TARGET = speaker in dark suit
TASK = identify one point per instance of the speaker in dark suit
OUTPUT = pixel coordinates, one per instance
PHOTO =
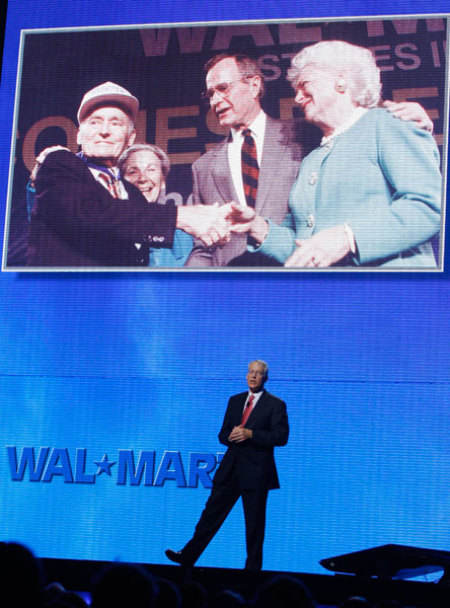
(254, 423)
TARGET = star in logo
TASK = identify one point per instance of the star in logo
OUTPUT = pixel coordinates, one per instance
(104, 466)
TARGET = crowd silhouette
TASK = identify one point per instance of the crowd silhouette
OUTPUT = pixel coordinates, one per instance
(121, 585)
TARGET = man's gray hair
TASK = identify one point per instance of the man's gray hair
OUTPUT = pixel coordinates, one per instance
(160, 154)
(247, 66)
(354, 63)
(261, 363)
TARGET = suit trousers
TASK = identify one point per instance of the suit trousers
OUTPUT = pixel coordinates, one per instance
(220, 502)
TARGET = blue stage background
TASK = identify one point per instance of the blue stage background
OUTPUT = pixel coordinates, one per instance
(130, 365)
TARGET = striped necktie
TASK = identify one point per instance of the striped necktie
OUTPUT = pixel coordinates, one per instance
(110, 184)
(250, 168)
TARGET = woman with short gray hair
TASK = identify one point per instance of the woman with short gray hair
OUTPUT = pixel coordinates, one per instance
(370, 193)
(146, 166)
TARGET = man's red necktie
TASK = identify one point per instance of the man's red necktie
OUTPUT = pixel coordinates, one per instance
(248, 410)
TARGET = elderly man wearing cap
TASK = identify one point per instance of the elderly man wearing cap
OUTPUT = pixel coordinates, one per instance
(85, 215)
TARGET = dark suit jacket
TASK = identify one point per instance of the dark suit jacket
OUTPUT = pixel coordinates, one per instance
(77, 223)
(253, 459)
(212, 182)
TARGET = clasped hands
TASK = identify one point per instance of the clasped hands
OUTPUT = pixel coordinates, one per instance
(321, 250)
(239, 433)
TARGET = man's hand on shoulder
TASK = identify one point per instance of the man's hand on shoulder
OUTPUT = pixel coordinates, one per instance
(412, 112)
(40, 159)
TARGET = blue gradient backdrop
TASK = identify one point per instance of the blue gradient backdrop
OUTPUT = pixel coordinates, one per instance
(109, 362)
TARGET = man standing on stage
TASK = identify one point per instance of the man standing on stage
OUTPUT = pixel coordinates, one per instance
(254, 423)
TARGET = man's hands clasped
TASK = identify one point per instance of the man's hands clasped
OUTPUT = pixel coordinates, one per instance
(240, 433)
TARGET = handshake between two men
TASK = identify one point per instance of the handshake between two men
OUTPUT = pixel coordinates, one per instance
(213, 224)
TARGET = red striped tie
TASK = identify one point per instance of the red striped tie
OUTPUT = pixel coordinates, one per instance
(250, 168)
(111, 184)
(247, 410)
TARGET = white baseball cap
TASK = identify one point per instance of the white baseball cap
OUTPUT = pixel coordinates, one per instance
(106, 94)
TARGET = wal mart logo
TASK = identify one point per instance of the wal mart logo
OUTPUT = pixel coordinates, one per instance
(143, 468)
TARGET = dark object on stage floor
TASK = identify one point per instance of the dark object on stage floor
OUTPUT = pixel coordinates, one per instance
(392, 561)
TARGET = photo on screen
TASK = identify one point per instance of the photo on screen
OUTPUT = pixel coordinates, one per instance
(282, 154)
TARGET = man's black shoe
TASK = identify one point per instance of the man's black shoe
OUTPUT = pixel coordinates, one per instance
(175, 556)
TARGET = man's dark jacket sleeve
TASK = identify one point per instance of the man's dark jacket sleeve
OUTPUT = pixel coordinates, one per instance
(76, 222)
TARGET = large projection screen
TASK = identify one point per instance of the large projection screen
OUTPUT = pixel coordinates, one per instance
(409, 52)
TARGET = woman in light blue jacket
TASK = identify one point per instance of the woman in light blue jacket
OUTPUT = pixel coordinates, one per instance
(370, 194)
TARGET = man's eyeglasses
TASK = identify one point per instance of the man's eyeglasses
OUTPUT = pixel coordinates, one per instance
(223, 89)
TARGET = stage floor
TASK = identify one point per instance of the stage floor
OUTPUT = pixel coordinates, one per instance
(328, 589)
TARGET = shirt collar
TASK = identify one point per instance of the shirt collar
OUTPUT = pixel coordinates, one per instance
(91, 163)
(256, 395)
(257, 127)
